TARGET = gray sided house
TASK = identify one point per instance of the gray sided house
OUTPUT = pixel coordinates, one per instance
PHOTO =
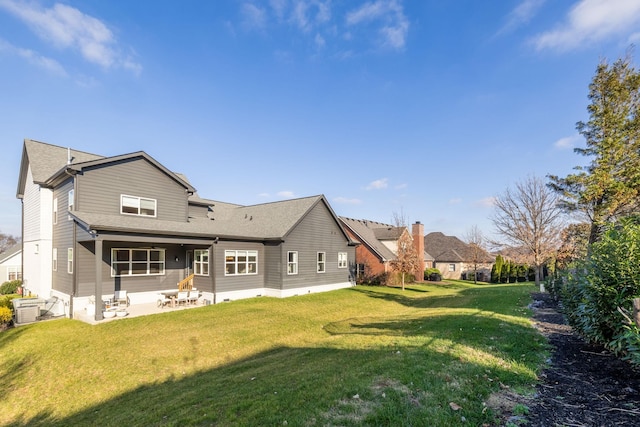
(95, 225)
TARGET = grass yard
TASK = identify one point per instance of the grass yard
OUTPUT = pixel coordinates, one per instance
(358, 356)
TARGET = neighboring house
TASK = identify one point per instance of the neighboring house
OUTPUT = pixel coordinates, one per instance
(94, 225)
(11, 264)
(378, 245)
(455, 258)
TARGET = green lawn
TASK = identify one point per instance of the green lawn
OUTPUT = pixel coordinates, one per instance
(358, 356)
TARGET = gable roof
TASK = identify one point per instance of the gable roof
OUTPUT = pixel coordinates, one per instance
(10, 252)
(450, 249)
(269, 221)
(366, 231)
(45, 160)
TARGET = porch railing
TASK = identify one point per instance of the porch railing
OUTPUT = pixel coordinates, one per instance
(186, 284)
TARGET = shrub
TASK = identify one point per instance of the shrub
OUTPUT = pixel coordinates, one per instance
(5, 316)
(10, 287)
(594, 290)
(432, 274)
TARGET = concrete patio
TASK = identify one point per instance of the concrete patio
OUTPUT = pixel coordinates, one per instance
(135, 310)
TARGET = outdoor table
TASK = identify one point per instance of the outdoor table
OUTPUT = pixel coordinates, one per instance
(172, 295)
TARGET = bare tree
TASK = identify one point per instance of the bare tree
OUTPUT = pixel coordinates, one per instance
(406, 260)
(477, 254)
(529, 217)
(6, 241)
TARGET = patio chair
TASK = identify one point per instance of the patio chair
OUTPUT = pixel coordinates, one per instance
(163, 301)
(182, 297)
(194, 294)
(121, 298)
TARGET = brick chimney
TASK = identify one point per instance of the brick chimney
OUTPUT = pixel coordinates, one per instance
(417, 232)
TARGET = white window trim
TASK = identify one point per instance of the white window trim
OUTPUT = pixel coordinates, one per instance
(70, 202)
(293, 263)
(342, 260)
(199, 264)
(162, 261)
(70, 260)
(235, 255)
(15, 269)
(55, 211)
(54, 259)
(155, 206)
(452, 267)
(321, 264)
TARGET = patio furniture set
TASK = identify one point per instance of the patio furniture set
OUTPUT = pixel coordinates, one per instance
(177, 298)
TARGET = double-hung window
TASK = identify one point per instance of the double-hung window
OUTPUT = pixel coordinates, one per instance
(292, 262)
(322, 257)
(201, 262)
(14, 273)
(452, 267)
(342, 260)
(70, 202)
(137, 262)
(240, 262)
(70, 260)
(132, 205)
(54, 260)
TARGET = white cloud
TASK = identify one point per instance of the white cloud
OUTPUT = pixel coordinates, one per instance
(253, 17)
(286, 194)
(401, 186)
(68, 28)
(521, 15)
(347, 201)
(320, 42)
(591, 21)
(33, 58)
(387, 13)
(378, 184)
(307, 14)
(487, 202)
(455, 201)
(567, 142)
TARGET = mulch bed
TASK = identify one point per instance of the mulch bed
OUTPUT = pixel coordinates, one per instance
(584, 384)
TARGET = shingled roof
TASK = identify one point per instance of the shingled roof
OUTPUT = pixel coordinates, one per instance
(450, 249)
(368, 231)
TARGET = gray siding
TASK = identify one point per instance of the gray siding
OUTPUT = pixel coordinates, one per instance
(63, 239)
(100, 188)
(275, 265)
(240, 282)
(317, 232)
(197, 211)
(174, 271)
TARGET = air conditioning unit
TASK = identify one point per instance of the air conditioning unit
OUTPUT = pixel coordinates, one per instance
(27, 314)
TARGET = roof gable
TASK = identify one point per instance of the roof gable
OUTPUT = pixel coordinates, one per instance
(366, 231)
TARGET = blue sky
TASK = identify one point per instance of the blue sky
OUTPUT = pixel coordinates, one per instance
(427, 109)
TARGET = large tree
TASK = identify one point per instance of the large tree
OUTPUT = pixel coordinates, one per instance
(529, 218)
(407, 260)
(608, 187)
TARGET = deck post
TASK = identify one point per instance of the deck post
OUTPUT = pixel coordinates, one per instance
(98, 287)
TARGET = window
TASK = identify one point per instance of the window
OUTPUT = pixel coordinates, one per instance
(132, 205)
(55, 211)
(292, 262)
(70, 260)
(137, 262)
(54, 260)
(321, 262)
(240, 262)
(201, 262)
(452, 267)
(342, 260)
(14, 273)
(70, 202)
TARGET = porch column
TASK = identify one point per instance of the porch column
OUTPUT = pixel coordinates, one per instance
(98, 287)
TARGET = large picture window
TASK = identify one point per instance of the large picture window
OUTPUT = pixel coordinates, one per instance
(342, 260)
(201, 262)
(322, 257)
(240, 262)
(137, 262)
(292, 262)
(132, 205)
